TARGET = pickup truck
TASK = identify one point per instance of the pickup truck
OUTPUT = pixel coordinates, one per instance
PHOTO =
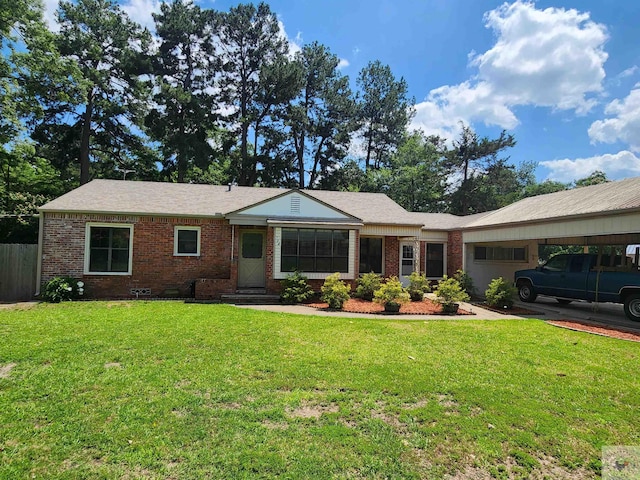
(582, 276)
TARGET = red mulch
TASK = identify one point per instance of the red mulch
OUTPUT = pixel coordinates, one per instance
(606, 331)
(356, 305)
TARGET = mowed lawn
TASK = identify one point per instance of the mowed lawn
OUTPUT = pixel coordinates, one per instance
(172, 390)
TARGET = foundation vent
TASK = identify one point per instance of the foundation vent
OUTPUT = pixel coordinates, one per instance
(295, 204)
(140, 291)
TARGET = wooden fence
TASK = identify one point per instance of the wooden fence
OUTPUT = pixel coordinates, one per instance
(18, 271)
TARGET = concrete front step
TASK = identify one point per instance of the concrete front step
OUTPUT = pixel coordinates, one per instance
(250, 299)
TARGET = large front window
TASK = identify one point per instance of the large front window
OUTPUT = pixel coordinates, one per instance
(108, 249)
(434, 263)
(314, 250)
(370, 255)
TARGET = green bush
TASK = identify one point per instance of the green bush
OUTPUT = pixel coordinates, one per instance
(500, 293)
(367, 284)
(450, 291)
(418, 286)
(391, 292)
(61, 289)
(334, 291)
(465, 281)
(295, 289)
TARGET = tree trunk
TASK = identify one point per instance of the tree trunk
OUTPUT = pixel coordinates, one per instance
(85, 139)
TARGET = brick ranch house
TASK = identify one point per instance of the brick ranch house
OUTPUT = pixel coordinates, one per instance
(125, 239)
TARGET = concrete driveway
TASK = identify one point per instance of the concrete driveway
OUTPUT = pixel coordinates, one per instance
(602, 314)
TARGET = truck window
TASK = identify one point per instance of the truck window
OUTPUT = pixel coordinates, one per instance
(576, 264)
(557, 264)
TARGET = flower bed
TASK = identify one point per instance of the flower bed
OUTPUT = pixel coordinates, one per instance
(356, 305)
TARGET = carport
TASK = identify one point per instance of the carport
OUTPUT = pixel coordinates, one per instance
(505, 240)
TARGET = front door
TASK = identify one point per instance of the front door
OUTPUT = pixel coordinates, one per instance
(251, 263)
(407, 261)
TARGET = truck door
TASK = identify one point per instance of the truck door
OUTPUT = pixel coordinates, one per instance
(565, 276)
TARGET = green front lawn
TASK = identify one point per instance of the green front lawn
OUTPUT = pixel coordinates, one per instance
(168, 390)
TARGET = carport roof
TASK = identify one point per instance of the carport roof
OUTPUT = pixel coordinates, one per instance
(605, 198)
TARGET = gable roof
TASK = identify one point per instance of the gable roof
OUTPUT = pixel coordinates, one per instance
(610, 197)
(194, 200)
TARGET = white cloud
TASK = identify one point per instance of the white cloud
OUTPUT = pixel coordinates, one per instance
(50, 7)
(550, 58)
(617, 166)
(628, 72)
(343, 63)
(141, 11)
(295, 44)
(624, 125)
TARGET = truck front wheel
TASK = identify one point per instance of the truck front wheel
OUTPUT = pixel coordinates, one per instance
(526, 291)
(632, 307)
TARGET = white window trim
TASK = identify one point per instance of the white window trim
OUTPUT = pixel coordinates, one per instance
(175, 241)
(278, 275)
(87, 247)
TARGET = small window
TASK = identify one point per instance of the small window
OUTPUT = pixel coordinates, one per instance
(186, 241)
(434, 263)
(500, 254)
(370, 255)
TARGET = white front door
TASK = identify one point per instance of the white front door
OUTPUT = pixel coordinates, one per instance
(407, 261)
(251, 263)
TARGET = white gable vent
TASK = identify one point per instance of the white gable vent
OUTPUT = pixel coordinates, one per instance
(295, 204)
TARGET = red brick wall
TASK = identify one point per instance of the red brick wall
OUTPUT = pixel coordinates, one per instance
(454, 253)
(154, 265)
(391, 256)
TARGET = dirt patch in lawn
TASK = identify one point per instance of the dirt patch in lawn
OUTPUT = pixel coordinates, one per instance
(357, 305)
(307, 410)
(598, 330)
(5, 370)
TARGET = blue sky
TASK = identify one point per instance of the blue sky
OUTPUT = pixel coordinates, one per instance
(563, 77)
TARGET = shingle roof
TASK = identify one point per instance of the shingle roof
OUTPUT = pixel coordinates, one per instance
(179, 199)
(445, 221)
(585, 201)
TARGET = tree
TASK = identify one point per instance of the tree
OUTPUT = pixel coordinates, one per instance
(249, 40)
(184, 70)
(471, 159)
(321, 117)
(108, 98)
(384, 112)
(597, 177)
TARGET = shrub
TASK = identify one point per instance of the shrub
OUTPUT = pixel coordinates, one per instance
(367, 284)
(334, 291)
(465, 281)
(391, 292)
(418, 286)
(500, 293)
(450, 291)
(295, 289)
(61, 289)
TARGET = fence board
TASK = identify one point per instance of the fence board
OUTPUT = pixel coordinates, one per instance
(18, 270)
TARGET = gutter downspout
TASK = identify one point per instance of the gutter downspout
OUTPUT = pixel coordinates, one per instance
(40, 248)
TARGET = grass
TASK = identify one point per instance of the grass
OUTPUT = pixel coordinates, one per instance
(168, 390)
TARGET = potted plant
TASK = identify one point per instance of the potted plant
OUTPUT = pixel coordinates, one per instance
(392, 295)
(418, 286)
(449, 294)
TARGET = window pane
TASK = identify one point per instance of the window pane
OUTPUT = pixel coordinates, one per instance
(289, 264)
(120, 238)
(407, 251)
(99, 237)
(323, 264)
(289, 241)
(519, 254)
(480, 253)
(370, 255)
(341, 243)
(187, 241)
(435, 260)
(98, 259)
(323, 243)
(306, 264)
(307, 242)
(340, 264)
(119, 261)
(252, 245)
(407, 267)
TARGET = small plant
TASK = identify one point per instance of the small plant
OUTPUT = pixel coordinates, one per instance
(449, 293)
(295, 289)
(418, 286)
(500, 293)
(465, 281)
(367, 284)
(60, 289)
(334, 291)
(391, 294)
